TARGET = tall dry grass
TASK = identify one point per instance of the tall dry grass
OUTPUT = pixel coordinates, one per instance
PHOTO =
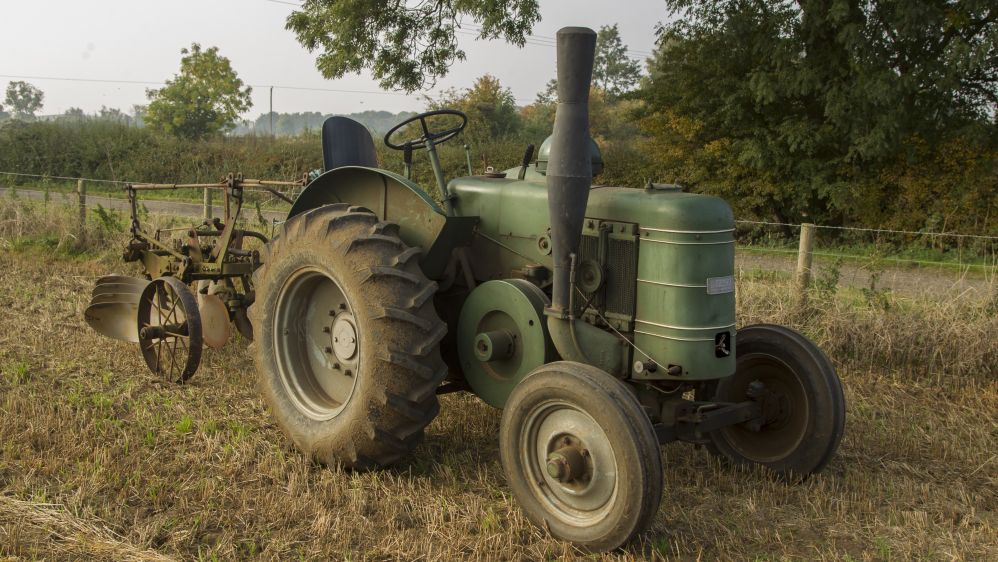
(947, 337)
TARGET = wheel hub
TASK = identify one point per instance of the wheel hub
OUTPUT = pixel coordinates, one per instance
(316, 344)
(344, 337)
(568, 464)
(785, 409)
(572, 460)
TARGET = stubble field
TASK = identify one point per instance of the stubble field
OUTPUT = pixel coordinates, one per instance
(102, 461)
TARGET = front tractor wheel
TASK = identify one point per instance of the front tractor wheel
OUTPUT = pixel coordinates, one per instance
(803, 404)
(580, 455)
(347, 340)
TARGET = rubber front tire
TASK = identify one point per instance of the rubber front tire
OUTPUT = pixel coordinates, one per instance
(576, 402)
(389, 385)
(804, 434)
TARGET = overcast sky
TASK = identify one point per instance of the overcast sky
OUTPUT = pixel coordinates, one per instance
(140, 40)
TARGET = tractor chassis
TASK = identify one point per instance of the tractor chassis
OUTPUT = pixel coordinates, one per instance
(692, 422)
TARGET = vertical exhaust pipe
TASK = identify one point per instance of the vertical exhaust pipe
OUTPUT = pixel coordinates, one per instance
(569, 173)
(569, 177)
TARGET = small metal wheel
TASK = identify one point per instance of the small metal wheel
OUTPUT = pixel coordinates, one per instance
(803, 404)
(169, 328)
(580, 455)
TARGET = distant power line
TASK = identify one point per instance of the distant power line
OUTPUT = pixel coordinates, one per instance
(161, 83)
(258, 86)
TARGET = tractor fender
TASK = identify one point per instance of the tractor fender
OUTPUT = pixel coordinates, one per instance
(422, 222)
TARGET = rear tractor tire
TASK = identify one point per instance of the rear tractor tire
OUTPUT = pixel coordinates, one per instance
(347, 339)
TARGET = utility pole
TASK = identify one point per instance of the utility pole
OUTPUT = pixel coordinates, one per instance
(272, 112)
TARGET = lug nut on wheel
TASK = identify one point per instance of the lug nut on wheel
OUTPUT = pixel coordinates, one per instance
(557, 468)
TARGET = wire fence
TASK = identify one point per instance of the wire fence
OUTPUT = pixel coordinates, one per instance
(262, 197)
(896, 246)
(879, 245)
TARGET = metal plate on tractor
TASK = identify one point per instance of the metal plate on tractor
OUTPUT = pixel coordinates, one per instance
(502, 336)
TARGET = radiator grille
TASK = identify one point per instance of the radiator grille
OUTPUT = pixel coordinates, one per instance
(615, 299)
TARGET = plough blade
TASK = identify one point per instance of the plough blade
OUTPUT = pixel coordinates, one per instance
(113, 309)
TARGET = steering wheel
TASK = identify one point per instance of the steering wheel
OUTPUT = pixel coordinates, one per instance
(434, 137)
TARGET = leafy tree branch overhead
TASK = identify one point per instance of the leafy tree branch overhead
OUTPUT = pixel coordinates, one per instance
(406, 45)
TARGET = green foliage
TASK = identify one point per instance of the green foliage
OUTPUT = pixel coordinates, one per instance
(17, 372)
(491, 110)
(826, 279)
(108, 220)
(206, 98)
(799, 112)
(185, 425)
(406, 45)
(23, 99)
(613, 72)
(293, 124)
(114, 151)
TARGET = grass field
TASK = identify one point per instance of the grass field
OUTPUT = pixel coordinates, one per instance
(102, 461)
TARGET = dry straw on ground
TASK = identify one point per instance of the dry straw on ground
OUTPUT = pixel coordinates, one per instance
(98, 460)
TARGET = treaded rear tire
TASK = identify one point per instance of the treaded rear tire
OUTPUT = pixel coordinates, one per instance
(398, 367)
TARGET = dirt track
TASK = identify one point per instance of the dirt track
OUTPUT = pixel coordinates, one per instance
(905, 280)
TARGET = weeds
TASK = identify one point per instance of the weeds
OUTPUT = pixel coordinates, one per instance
(185, 425)
(16, 372)
(826, 281)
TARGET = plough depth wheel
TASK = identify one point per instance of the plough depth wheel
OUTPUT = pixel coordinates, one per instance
(170, 329)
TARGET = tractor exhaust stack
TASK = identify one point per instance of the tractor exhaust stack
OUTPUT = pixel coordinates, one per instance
(569, 177)
(569, 173)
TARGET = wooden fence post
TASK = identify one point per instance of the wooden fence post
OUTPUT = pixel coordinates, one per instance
(81, 193)
(805, 257)
(207, 204)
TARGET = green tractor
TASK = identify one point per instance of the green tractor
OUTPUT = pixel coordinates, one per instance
(601, 320)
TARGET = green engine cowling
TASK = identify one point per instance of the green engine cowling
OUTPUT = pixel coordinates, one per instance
(661, 260)
(685, 317)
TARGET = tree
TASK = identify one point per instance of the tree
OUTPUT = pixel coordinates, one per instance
(613, 72)
(797, 110)
(206, 98)
(24, 99)
(139, 115)
(74, 114)
(491, 110)
(406, 45)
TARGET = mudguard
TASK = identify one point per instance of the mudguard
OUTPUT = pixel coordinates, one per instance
(422, 222)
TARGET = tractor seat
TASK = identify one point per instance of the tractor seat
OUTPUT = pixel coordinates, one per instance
(346, 142)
